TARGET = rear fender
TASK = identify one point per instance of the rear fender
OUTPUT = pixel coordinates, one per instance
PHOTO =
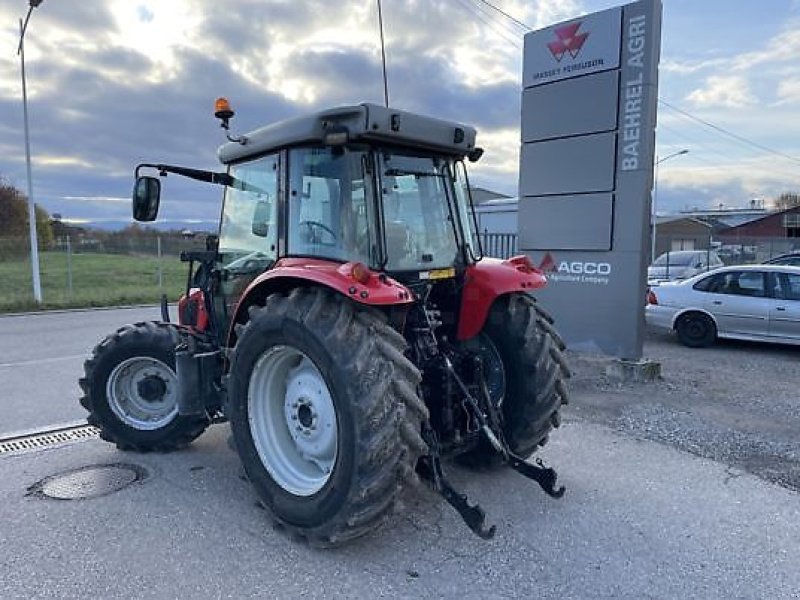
(288, 273)
(487, 280)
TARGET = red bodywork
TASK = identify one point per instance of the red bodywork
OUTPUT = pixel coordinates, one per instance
(192, 311)
(363, 286)
(486, 281)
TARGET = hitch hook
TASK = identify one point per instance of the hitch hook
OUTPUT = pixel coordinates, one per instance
(545, 476)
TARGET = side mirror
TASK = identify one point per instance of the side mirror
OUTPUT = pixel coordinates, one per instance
(146, 196)
(261, 216)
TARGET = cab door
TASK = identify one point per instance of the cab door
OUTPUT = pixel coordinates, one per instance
(249, 230)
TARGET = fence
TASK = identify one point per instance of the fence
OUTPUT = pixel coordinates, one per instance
(94, 271)
(731, 251)
(499, 245)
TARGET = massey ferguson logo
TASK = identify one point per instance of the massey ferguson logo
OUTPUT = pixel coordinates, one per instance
(575, 271)
(569, 40)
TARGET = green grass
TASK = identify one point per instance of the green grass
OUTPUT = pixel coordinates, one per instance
(97, 280)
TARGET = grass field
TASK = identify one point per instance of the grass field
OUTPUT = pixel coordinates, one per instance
(97, 280)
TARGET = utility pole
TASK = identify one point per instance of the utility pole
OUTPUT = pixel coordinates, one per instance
(655, 200)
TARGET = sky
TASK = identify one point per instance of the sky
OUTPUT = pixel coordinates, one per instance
(112, 83)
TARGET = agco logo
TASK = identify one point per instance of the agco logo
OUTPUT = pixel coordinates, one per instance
(573, 268)
(569, 40)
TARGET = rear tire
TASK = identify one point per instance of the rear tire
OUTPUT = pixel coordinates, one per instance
(324, 413)
(131, 390)
(535, 372)
(696, 330)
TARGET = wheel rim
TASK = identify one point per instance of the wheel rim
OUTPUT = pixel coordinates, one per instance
(143, 393)
(695, 329)
(292, 420)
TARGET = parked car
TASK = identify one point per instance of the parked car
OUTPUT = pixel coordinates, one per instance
(748, 302)
(791, 258)
(682, 264)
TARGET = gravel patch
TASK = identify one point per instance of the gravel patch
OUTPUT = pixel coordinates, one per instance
(737, 403)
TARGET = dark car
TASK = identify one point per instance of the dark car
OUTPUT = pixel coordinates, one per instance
(791, 259)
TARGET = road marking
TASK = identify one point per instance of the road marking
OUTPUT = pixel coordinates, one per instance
(40, 361)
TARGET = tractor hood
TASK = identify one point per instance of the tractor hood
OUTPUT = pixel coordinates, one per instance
(364, 123)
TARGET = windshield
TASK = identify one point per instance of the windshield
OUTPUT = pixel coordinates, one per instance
(418, 223)
(675, 259)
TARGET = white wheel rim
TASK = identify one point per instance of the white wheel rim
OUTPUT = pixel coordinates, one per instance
(292, 420)
(143, 393)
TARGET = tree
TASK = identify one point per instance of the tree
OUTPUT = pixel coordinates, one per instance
(14, 216)
(787, 200)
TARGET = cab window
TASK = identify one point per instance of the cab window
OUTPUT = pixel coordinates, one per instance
(248, 231)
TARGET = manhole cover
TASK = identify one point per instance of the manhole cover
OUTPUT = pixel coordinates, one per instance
(88, 482)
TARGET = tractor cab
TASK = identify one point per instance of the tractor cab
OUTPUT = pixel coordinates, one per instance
(382, 187)
(385, 189)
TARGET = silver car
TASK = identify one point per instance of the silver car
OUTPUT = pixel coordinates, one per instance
(681, 264)
(752, 302)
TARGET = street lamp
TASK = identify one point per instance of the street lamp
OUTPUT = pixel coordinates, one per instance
(655, 200)
(37, 285)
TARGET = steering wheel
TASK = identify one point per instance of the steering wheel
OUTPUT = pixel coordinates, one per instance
(316, 224)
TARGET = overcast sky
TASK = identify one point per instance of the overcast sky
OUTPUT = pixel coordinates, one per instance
(115, 82)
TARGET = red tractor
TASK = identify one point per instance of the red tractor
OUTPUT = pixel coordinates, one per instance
(345, 322)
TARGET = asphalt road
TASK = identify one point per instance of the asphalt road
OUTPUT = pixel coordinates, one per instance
(641, 518)
(41, 359)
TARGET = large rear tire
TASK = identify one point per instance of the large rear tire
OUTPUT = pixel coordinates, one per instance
(535, 375)
(324, 413)
(131, 390)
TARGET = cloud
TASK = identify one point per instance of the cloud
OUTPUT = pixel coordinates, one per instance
(789, 90)
(116, 82)
(781, 48)
(730, 91)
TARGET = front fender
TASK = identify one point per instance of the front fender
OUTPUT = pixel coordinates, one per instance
(288, 273)
(486, 281)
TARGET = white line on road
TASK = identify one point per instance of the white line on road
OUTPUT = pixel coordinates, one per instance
(40, 361)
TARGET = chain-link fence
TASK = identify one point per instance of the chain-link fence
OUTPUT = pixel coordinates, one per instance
(730, 251)
(91, 270)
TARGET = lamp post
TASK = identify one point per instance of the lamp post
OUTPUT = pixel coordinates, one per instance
(37, 285)
(655, 200)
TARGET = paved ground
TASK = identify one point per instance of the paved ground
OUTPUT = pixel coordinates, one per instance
(640, 520)
(41, 359)
(647, 514)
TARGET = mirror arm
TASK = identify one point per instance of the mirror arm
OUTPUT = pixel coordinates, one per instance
(197, 174)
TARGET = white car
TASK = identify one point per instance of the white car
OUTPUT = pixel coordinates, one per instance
(752, 302)
(681, 264)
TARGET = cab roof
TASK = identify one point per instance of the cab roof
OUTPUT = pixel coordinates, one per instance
(364, 123)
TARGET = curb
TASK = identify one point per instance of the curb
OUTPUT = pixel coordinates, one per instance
(60, 311)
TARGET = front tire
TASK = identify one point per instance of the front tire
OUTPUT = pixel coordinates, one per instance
(324, 413)
(131, 390)
(535, 374)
